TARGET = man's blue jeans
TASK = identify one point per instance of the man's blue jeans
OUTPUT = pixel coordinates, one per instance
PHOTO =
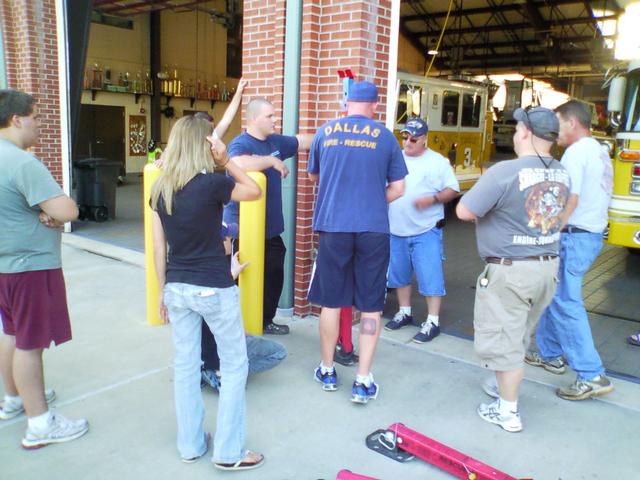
(564, 326)
(263, 354)
(188, 306)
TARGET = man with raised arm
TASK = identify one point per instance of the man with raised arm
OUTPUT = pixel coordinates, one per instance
(259, 148)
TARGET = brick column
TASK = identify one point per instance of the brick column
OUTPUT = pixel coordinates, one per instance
(31, 61)
(263, 50)
(335, 34)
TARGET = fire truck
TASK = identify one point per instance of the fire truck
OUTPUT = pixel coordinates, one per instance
(459, 115)
(624, 108)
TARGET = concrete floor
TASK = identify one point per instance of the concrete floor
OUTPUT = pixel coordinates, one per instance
(117, 373)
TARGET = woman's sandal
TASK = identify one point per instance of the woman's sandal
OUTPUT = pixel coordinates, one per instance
(251, 460)
(634, 339)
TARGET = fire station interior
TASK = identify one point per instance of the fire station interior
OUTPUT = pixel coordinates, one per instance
(508, 54)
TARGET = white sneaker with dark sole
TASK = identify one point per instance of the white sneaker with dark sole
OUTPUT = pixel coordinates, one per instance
(490, 412)
(9, 412)
(59, 430)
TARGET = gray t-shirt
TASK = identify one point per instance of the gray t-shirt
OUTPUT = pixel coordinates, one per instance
(518, 203)
(25, 243)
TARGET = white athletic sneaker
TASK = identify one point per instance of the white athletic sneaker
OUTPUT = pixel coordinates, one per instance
(8, 412)
(60, 429)
(491, 413)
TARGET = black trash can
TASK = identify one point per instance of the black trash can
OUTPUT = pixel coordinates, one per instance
(95, 180)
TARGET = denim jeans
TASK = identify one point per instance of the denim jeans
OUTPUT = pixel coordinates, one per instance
(420, 253)
(564, 326)
(264, 354)
(188, 306)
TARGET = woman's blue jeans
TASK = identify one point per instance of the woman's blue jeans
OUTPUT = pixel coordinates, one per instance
(188, 306)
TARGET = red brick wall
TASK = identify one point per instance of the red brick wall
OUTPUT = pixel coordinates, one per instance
(335, 34)
(263, 50)
(31, 62)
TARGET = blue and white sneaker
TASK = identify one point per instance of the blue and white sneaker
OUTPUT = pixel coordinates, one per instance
(210, 378)
(329, 380)
(360, 393)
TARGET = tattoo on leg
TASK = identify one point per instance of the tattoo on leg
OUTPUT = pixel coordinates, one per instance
(368, 326)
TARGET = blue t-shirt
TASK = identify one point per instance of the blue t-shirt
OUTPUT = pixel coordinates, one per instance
(280, 146)
(355, 157)
(196, 254)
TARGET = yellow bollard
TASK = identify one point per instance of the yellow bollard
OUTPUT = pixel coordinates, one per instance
(151, 174)
(252, 228)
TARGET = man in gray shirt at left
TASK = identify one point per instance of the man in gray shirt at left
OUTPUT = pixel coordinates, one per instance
(33, 302)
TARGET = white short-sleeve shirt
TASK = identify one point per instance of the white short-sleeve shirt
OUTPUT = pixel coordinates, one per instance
(429, 174)
(591, 176)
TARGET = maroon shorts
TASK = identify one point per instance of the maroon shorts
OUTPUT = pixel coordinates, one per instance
(33, 306)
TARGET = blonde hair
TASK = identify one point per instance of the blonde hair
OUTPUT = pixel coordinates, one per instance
(188, 153)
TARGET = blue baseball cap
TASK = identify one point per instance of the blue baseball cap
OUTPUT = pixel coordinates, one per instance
(542, 122)
(415, 127)
(365, 92)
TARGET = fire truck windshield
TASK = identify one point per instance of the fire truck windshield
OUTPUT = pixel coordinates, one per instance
(631, 114)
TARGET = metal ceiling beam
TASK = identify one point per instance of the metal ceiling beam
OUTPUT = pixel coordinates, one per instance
(570, 58)
(503, 8)
(540, 25)
(507, 44)
(120, 9)
(513, 26)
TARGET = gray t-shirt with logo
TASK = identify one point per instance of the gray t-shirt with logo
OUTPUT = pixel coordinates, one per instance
(25, 243)
(518, 203)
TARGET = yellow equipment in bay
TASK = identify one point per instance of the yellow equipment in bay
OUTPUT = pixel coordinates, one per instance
(459, 116)
(624, 209)
(252, 228)
(150, 175)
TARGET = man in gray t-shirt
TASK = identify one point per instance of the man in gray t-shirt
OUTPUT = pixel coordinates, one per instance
(33, 302)
(518, 208)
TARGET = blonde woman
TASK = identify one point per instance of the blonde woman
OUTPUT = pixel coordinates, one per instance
(197, 286)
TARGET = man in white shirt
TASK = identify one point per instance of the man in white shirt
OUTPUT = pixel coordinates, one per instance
(564, 332)
(416, 220)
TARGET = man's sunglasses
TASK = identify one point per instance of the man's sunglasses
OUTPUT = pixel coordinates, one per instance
(410, 139)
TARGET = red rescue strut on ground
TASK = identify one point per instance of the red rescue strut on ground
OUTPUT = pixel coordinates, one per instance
(347, 475)
(399, 438)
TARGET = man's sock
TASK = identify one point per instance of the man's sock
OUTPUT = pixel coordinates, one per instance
(41, 422)
(366, 380)
(434, 319)
(324, 369)
(505, 408)
(405, 310)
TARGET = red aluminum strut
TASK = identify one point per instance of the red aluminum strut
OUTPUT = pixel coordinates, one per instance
(347, 475)
(398, 436)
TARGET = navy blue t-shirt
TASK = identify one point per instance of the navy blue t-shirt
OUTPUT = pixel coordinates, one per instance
(355, 157)
(196, 254)
(280, 146)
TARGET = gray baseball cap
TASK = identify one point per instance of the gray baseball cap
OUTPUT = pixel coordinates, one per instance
(542, 122)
